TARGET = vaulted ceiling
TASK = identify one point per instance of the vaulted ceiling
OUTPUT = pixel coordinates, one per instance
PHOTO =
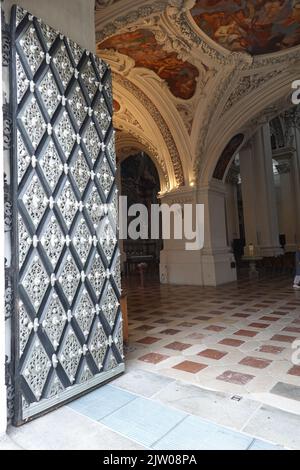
(189, 75)
(142, 46)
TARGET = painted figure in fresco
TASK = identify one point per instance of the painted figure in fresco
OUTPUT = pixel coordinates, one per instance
(297, 272)
(142, 46)
(254, 26)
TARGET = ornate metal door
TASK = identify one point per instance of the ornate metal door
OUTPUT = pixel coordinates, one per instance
(67, 320)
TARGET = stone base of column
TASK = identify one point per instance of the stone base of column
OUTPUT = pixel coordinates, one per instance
(218, 268)
(197, 269)
(270, 251)
(290, 248)
(180, 267)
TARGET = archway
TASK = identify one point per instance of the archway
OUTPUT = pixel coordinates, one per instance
(140, 184)
(261, 181)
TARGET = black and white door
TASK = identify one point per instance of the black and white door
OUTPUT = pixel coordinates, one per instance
(67, 323)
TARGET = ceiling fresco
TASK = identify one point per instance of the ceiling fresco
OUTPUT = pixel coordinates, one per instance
(253, 26)
(141, 45)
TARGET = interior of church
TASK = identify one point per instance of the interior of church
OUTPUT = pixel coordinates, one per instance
(202, 112)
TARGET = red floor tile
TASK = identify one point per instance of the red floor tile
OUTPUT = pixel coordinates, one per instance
(259, 325)
(197, 336)
(241, 315)
(169, 331)
(235, 377)
(145, 328)
(247, 333)
(283, 338)
(270, 349)
(291, 329)
(255, 362)
(186, 324)
(212, 354)
(148, 340)
(231, 342)
(295, 371)
(153, 358)
(191, 367)
(267, 318)
(177, 346)
(202, 317)
(215, 328)
(162, 321)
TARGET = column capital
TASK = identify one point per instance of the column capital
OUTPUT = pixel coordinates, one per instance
(284, 167)
(284, 157)
(285, 153)
(216, 186)
(181, 195)
(233, 175)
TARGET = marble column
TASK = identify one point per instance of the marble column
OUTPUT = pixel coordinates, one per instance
(248, 186)
(178, 265)
(232, 214)
(259, 197)
(212, 265)
(268, 229)
(287, 197)
(295, 173)
(218, 264)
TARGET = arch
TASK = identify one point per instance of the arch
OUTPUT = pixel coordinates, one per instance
(227, 156)
(128, 143)
(245, 116)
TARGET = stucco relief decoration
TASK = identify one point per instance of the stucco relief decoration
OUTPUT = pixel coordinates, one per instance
(64, 158)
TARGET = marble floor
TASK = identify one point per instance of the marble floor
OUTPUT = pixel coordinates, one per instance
(206, 368)
(142, 410)
(237, 338)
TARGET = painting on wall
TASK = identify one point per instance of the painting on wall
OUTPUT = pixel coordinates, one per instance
(141, 45)
(253, 26)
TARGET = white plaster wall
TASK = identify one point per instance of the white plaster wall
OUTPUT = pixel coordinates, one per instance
(74, 18)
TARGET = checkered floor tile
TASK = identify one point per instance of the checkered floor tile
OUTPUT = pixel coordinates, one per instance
(236, 338)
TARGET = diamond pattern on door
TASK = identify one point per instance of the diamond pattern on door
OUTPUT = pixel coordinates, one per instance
(35, 200)
(51, 165)
(67, 204)
(36, 282)
(36, 368)
(68, 321)
(33, 122)
(54, 320)
(50, 93)
(53, 241)
(82, 240)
